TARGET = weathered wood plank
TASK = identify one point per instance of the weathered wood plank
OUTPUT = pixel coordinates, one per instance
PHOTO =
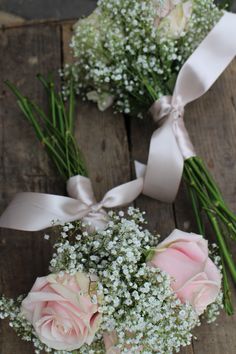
(212, 126)
(24, 165)
(67, 31)
(103, 138)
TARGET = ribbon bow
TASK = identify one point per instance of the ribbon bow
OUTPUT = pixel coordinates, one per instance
(170, 144)
(37, 211)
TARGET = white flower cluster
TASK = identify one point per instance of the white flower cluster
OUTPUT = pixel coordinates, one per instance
(138, 302)
(124, 53)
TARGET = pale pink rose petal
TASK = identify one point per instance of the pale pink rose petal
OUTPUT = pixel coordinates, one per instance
(191, 250)
(179, 236)
(44, 296)
(45, 330)
(173, 262)
(213, 272)
(199, 292)
(195, 278)
(63, 317)
(39, 284)
(207, 296)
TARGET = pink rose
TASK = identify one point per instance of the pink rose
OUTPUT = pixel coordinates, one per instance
(184, 257)
(61, 311)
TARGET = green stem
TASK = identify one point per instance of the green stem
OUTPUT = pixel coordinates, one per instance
(205, 204)
(210, 205)
(219, 202)
(71, 107)
(55, 130)
(61, 119)
(53, 108)
(55, 153)
(28, 113)
(201, 197)
(67, 154)
(223, 246)
(204, 170)
(202, 178)
(227, 293)
(196, 211)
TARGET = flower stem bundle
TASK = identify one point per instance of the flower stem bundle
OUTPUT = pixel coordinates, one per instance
(206, 198)
(55, 130)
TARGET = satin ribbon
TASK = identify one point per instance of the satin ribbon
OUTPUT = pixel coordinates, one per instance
(37, 211)
(170, 144)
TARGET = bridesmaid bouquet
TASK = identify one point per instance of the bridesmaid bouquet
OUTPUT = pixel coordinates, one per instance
(112, 286)
(129, 53)
(142, 56)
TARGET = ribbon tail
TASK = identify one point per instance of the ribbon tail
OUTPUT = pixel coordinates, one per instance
(165, 165)
(36, 211)
(208, 61)
(123, 194)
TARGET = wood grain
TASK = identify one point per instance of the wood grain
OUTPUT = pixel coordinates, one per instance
(110, 144)
(24, 164)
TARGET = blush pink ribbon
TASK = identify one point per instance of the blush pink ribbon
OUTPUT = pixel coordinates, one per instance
(170, 144)
(37, 211)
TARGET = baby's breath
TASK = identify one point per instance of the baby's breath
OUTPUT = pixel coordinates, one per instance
(122, 58)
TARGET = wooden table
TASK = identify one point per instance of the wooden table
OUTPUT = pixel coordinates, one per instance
(110, 143)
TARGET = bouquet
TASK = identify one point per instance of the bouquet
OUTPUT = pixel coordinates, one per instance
(112, 287)
(142, 56)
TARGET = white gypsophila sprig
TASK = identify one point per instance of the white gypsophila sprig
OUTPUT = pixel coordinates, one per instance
(123, 55)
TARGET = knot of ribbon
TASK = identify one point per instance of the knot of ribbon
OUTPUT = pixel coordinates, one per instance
(37, 211)
(170, 144)
(165, 107)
